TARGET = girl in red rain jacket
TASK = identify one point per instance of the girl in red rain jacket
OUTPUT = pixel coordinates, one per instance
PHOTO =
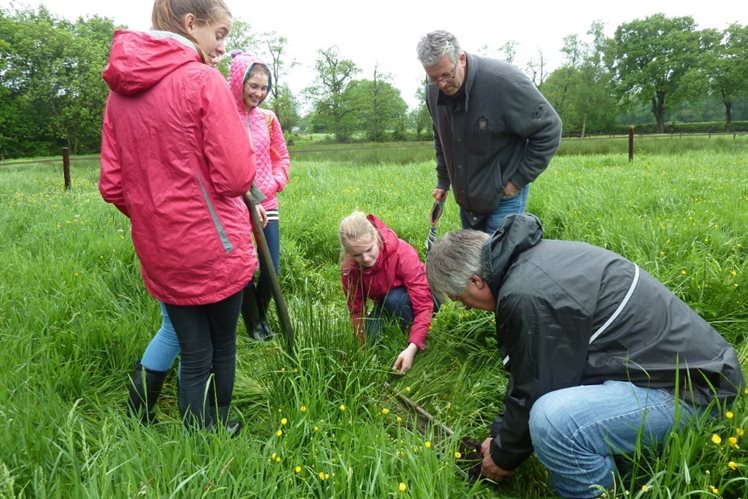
(176, 159)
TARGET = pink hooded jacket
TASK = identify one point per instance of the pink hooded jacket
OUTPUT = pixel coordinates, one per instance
(398, 265)
(268, 142)
(176, 159)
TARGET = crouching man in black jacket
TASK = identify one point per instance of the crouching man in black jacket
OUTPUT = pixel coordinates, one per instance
(601, 355)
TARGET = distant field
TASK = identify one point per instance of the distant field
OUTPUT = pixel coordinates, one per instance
(74, 317)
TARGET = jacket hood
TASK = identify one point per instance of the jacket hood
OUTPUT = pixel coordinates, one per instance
(241, 65)
(138, 60)
(517, 234)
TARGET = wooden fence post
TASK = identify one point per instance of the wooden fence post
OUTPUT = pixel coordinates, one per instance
(66, 166)
(631, 143)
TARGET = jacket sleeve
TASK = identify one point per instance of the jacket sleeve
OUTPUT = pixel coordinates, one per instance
(110, 178)
(442, 176)
(547, 352)
(279, 157)
(413, 275)
(532, 117)
(226, 144)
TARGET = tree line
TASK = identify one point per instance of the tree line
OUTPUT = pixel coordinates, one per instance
(656, 72)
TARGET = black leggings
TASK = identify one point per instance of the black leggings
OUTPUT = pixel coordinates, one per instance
(207, 340)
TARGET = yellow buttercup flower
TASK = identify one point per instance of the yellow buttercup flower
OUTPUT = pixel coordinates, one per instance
(297, 469)
(342, 407)
(733, 442)
(645, 487)
(385, 411)
(739, 432)
(302, 408)
(713, 489)
(732, 465)
(427, 444)
(458, 454)
(716, 439)
(284, 421)
(279, 433)
(403, 487)
(729, 415)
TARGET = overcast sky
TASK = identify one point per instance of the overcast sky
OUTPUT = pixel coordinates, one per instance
(385, 32)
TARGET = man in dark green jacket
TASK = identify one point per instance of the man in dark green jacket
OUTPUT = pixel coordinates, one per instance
(494, 132)
(602, 356)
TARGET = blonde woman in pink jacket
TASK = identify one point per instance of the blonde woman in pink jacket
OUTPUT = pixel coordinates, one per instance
(250, 83)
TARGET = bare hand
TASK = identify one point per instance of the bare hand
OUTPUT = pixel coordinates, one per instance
(439, 194)
(488, 467)
(510, 190)
(262, 215)
(404, 361)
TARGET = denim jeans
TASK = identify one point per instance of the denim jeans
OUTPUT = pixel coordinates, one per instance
(576, 431)
(207, 340)
(163, 348)
(507, 206)
(396, 305)
(263, 283)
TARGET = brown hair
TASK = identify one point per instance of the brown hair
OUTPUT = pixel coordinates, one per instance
(168, 15)
(353, 228)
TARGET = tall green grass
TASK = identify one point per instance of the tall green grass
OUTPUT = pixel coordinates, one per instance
(326, 422)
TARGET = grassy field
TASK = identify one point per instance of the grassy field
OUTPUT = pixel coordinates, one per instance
(327, 422)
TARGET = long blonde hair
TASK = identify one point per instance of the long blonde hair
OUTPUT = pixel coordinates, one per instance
(354, 228)
(168, 15)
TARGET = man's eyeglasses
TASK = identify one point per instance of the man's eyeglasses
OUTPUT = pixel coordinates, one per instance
(443, 77)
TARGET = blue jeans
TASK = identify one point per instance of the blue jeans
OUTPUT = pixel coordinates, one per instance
(207, 340)
(396, 305)
(163, 348)
(507, 206)
(576, 431)
(264, 286)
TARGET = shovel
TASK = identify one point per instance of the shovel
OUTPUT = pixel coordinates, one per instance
(436, 213)
(267, 263)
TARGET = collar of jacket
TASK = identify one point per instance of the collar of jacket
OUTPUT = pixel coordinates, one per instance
(176, 36)
(463, 94)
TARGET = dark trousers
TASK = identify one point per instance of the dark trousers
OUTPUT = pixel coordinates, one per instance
(396, 305)
(207, 339)
(259, 291)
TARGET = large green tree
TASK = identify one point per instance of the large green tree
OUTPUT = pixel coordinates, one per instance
(649, 57)
(580, 89)
(725, 67)
(332, 109)
(378, 107)
(53, 94)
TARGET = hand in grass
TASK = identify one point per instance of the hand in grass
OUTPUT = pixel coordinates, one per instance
(404, 361)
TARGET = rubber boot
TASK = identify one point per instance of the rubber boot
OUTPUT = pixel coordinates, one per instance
(145, 389)
(263, 332)
(250, 313)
